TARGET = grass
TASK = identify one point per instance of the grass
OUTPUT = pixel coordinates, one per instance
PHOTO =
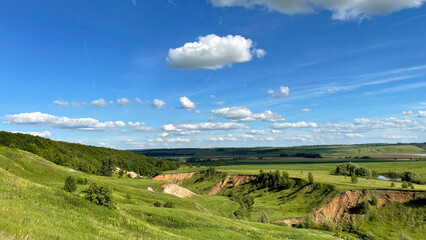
(33, 206)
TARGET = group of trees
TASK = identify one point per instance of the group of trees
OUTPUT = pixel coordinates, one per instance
(89, 159)
(350, 169)
(277, 179)
(100, 195)
(305, 155)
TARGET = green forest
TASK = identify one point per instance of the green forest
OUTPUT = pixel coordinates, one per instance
(89, 159)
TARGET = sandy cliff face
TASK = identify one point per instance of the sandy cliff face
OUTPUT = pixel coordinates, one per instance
(177, 190)
(231, 181)
(339, 208)
(176, 177)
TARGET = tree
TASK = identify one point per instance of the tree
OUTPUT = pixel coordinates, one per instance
(374, 201)
(169, 205)
(70, 184)
(263, 218)
(410, 176)
(392, 184)
(364, 207)
(310, 178)
(99, 195)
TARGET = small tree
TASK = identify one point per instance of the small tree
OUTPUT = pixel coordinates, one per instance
(169, 205)
(263, 218)
(158, 204)
(310, 178)
(354, 178)
(374, 201)
(365, 206)
(99, 195)
(70, 184)
(404, 185)
(410, 176)
(368, 236)
(392, 184)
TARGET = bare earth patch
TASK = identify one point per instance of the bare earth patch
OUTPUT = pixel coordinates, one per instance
(177, 190)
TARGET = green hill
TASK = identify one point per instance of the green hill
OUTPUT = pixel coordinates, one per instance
(89, 159)
(34, 206)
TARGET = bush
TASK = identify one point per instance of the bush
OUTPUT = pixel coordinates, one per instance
(354, 178)
(99, 195)
(392, 184)
(169, 205)
(82, 181)
(363, 172)
(404, 185)
(364, 207)
(158, 204)
(410, 176)
(374, 201)
(404, 237)
(70, 184)
(232, 216)
(310, 178)
(368, 236)
(328, 226)
(263, 218)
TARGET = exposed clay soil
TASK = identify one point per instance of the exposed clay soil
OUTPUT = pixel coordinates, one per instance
(132, 174)
(176, 177)
(339, 208)
(177, 190)
(231, 181)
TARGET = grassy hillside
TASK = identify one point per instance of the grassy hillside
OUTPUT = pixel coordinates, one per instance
(90, 159)
(33, 206)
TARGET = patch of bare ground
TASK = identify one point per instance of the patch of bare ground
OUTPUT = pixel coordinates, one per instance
(176, 177)
(177, 190)
(231, 181)
(340, 208)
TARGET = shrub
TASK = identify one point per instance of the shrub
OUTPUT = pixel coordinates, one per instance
(263, 218)
(404, 237)
(404, 185)
(374, 201)
(310, 178)
(169, 205)
(99, 195)
(392, 184)
(158, 204)
(364, 207)
(70, 184)
(410, 176)
(363, 172)
(82, 181)
(328, 226)
(354, 178)
(232, 216)
(368, 236)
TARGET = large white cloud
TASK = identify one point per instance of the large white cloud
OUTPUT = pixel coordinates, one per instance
(157, 104)
(280, 93)
(341, 9)
(202, 126)
(140, 126)
(186, 103)
(243, 114)
(43, 119)
(99, 102)
(213, 52)
(294, 125)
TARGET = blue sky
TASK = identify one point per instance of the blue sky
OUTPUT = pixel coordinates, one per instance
(163, 73)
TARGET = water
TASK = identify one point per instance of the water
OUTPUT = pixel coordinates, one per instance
(381, 177)
(419, 154)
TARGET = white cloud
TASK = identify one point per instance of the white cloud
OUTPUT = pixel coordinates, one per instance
(281, 93)
(61, 104)
(186, 103)
(157, 104)
(408, 113)
(340, 9)
(43, 119)
(211, 96)
(178, 140)
(421, 113)
(202, 126)
(123, 101)
(400, 136)
(243, 114)
(39, 134)
(216, 139)
(77, 105)
(141, 101)
(220, 103)
(354, 135)
(260, 53)
(140, 126)
(99, 103)
(213, 52)
(294, 125)
(306, 110)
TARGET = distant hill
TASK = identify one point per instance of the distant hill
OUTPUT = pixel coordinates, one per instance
(374, 148)
(89, 159)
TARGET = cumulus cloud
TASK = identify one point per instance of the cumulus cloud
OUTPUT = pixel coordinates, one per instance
(99, 103)
(186, 103)
(421, 114)
(213, 52)
(280, 93)
(60, 103)
(140, 126)
(306, 110)
(341, 10)
(157, 104)
(206, 126)
(178, 140)
(211, 96)
(243, 114)
(354, 135)
(408, 113)
(43, 119)
(294, 125)
(39, 134)
(123, 101)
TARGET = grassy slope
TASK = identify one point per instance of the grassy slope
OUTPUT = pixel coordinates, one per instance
(33, 206)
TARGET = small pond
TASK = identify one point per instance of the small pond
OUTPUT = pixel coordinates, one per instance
(381, 177)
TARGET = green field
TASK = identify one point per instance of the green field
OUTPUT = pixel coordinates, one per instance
(33, 206)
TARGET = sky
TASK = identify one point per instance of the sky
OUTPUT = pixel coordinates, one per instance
(214, 73)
